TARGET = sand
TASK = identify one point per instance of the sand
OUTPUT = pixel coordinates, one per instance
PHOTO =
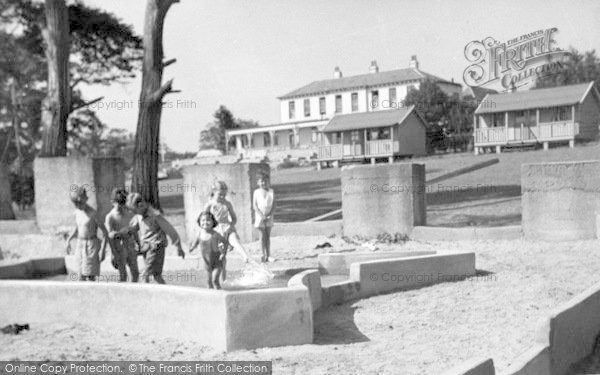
(428, 330)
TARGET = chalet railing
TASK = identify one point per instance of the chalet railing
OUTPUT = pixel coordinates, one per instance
(561, 130)
(330, 151)
(383, 147)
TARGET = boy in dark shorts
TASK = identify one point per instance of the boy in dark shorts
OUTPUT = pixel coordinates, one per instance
(153, 230)
(213, 247)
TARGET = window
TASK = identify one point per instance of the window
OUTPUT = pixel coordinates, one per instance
(561, 114)
(355, 136)
(354, 101)
(275, 139)
(292, 110)
(266, 139)
(338, 104)
(374, 98)
(306, 107)
(392, 95)
(497, 119)
(322, 106)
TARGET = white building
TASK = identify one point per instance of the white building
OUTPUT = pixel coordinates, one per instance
(305, 111)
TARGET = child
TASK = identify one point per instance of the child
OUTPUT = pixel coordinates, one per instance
(213, 247)
(153, 230)
(89, 251)
(263, 202)
(121, 237)
(224, 215)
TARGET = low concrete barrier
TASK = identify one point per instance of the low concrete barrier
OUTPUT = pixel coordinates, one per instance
(312, 280)
(535, 361)
(574, 327)
(340, 292)
(19, 227)
(339, 263)
(476, 366)
(33, 268)
(268, 317)
(380, 276)
(316, 228)
(219, 319)
(511, 232)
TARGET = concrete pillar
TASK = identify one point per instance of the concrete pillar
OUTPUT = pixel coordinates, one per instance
(391, 159)
(383, 198)
(241, 181)
(238, 144)
(571, 143)
(560, 200)
(372, 160)
(56, 177)
(476, 150)
(545, 145)
(272, 140)
(6, 211)
(498, 149)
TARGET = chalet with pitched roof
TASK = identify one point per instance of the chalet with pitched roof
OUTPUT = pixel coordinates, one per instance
(309, 109)
(544, 116)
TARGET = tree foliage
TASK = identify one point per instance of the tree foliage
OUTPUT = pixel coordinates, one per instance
(214, 136)
(577, 68)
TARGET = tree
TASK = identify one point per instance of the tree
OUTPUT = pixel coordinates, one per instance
(145, 156)
(577, 68)
(430, 101)
(214, 136)
(57, 105)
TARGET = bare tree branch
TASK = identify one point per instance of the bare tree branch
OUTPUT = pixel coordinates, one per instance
(168, 62)
(74, 108)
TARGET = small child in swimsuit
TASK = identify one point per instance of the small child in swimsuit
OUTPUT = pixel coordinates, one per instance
(121, 237)
(224, 215)
(263, 202)
(89, 251)
(213, 247)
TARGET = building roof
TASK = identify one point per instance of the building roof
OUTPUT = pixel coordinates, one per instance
(478, 92)
(365, 120)
(362, 81)
(542, 98)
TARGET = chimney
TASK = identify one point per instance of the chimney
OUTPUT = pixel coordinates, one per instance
(413, 62)
(373, 68)
(337, 73)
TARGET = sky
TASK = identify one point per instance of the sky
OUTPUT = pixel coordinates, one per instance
(244, 54)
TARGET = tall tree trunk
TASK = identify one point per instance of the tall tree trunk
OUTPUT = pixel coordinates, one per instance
(146, 152)
(57, 104)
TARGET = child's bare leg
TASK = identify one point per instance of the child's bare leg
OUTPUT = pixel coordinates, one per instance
(217, 274)
(210, 280)
(267, 235)
(263, 245)
(133, 268)
(234, 240)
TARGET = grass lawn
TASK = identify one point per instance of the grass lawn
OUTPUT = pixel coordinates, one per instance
(487, 197)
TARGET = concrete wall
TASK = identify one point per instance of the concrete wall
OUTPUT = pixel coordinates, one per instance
(55, 178)
(241, 181)
(574, 327)
(380, 276)
(18, 227)
(383, 198)
(476, 366)
(340, 292)
(535, 361)
(560, 200)
(6, 212)
(268, 317)
(339, 263)
(222, 320)
(28, 269)
(311, 279)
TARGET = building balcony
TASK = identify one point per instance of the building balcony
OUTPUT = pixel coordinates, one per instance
(544, 132)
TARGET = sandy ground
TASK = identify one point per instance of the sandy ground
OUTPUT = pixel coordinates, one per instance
(496, 314)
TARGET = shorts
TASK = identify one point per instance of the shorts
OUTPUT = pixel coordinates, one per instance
(263, 223)
(88, 256)
(154, 258)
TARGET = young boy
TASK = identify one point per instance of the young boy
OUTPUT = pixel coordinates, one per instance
(121, 237)
(89, 250)
(153, 230)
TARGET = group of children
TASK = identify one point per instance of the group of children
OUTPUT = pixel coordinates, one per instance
(132, 227)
